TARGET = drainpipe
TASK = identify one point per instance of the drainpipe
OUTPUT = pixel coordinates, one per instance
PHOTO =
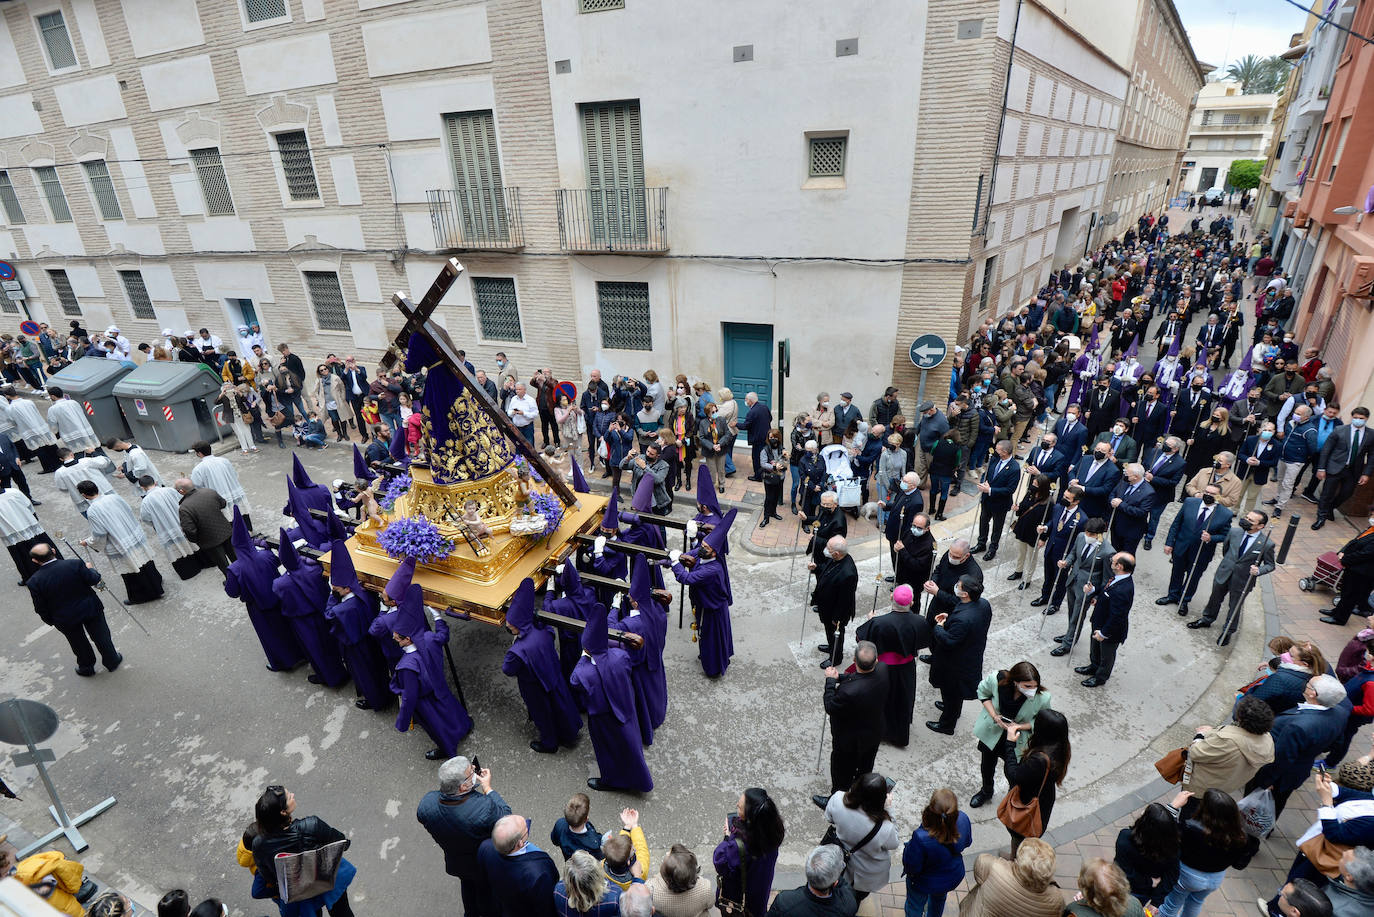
(1001, 119)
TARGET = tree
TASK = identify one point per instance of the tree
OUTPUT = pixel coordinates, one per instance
(1259, 74)
(1244, 174)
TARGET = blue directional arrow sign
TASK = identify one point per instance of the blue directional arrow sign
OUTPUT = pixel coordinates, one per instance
(928, 351)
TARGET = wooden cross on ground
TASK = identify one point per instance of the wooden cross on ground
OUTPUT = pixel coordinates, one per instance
(418, 321)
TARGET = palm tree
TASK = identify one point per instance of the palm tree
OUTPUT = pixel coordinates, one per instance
(1249, 70)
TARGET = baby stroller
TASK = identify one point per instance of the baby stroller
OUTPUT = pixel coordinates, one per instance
(1327, 574)
(840, 475)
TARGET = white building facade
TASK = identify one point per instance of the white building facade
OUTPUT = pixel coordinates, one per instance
(1227, 125)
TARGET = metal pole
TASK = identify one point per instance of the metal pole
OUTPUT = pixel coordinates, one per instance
(834, 652)
(1068, 553)
(681, 586)
(1045, 521)
(102, 586)
(1288, 537)
(921, 388)
(1234, 611)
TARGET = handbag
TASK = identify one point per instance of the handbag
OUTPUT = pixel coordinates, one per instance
(832, 837)
(729, 907)
(1324, 855)
(309, 873)
(581, 424)
(1022, 817)
(848, 492)
(1171, 766)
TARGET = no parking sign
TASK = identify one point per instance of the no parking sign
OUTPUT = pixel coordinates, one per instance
(567, 388)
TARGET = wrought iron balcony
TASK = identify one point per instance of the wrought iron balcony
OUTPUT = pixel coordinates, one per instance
(613, 219)
(485, 218)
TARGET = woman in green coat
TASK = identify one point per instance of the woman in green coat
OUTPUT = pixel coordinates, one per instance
(1012, 695)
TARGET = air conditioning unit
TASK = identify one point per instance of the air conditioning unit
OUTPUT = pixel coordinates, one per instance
(1361, 280)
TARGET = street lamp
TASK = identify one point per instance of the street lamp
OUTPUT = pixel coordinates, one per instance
(1347, 210)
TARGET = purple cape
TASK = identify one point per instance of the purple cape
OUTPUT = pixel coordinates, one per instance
(602, 684)
(299, 502)
(708, 588)
(649, 677)
(349, 618)
(426, 700)
(303, 594)
(250, 578)
(533, 662)
(650, 536)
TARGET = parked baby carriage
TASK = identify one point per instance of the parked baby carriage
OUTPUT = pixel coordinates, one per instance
(841, 475)
(1326, 575)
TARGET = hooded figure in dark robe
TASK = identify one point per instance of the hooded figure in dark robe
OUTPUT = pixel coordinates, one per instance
(303, 593)
(250, 579)
(899, 635)
(574, 600)
(579, 480)
(350, 611)
(303, 495)
(708, 508)
(644, 533)
(360, 470)
(708, 589)
(642, 612)
(420, 680)
(532, 661)
(602, 683)
(601, 558)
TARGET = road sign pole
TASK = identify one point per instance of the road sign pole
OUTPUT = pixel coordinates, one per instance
(921, 389)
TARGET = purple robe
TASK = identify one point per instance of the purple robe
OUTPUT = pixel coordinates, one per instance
(647, 674)
(250, 578)
(1085, 370)
(349, 619)
(611, 564)
(299, 502)
(533, 662)
(602, 683)
(650, 536)
(708, 587)
(426, 700)
(1169, 377)
(303, 593)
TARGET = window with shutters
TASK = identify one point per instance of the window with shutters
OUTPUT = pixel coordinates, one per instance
(140, 303)
(52, 191)
(989, 269)
(297, 168)
(498, 312)
(326, 298)
(596, 6)
(58, 44)
(615, 171)
(826, 157)
(62, 287)
(102, 189)
(214, 185)
(624, 312)
(259, 12)
(14, 214)
(477, 177)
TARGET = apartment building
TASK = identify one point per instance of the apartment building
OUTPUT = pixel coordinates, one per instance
(1227, 125)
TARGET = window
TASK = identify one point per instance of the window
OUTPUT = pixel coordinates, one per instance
(477, 176)
(297, 167)
(137, 293)
(63, 288)
(214, 185)
(1340, 147)
(498, 312)
(989, 268)
(326, 296)
(827, 157)
(624, 309)
(1230, 119)
(102, 188)
(10, 201)
(264, 10)
(614, 146)
(53, 28)
(596, 6)
(52, 190)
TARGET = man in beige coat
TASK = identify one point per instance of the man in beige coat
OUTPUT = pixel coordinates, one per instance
(1226, 758)
(1231, 486)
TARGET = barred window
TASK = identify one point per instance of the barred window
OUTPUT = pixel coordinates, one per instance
(498, 313)
(827, 156)
(63, 288)
(58, 43)
(102, 187)
(296, 166)
(326, 297)
(214, 185)
(596, 6)
(10, 201)
(137, 292)
(624, 309)
(52, 190)
(264, 10)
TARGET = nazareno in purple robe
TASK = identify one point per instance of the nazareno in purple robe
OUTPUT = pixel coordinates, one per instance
(349, 618)
(611, 563)
(250, 578)
(708, 588)
(576, 600)
(303, 592)
(420, 680)
(533, 662)
(601, 681)
(642, 614)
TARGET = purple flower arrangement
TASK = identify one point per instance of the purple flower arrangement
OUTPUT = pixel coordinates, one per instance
(393, 491)
(417, 537)
(522, 462)
(550, 507)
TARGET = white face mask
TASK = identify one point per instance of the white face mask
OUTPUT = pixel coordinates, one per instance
(826, 552)
(918, 531)
(825, 405)
(1119, 430)
(1028, 692)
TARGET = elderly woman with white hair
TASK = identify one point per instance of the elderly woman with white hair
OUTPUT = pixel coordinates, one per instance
(583, 891)
(825, 891)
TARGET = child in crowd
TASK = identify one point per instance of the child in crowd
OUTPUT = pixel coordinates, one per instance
(574, 831)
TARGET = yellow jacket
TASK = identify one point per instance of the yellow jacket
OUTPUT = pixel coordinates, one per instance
(245, 858)
(65, 875)
(640, 868)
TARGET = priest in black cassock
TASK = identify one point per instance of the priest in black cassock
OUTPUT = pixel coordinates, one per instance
(837, 578)
(899, 635)
(916, 555)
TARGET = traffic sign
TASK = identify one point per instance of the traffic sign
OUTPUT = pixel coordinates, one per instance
(11, 285)
(28, 326)
(567, 388)
(7, 271)
(141, 406)
(928, 351)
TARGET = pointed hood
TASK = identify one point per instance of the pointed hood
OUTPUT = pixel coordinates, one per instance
(569, 581)
(717, 537)
(360, 469)
(286, 551)
(644, 495)
(594, 640)
(298, 475)
(641, 585)
(706, 489)
(611, 518)
(400, 580)
(241, 539)
(409, 617)
(341, 572)
(579, 480)
(334, 528)
(520, 614)
(398, 446)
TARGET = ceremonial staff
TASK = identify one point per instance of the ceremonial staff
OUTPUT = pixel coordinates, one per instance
(1067, 561)
(834, 663)
(102, 586)
(1188, 580)
(1044, 524)
(1082, 617)
(1234, 611)
(978, 510)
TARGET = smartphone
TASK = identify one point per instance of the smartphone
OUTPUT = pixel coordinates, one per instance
(1006, 720)
(891, 784)
(1321, 768)
(476, 765)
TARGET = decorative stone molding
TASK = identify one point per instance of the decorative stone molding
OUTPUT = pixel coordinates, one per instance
(37, 153)
(196, 131)
(314, 255)
(88, 146)
(283, 115)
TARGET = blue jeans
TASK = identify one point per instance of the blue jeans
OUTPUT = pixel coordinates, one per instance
(924, 904)
(796, 481)
(730, 462)
(527, 431)
(314, 439)
(393, 421)
(939, 487)
(1192, 889)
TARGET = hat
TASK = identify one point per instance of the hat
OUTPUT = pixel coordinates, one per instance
(241, 538)
(360, 469)
(641, 586)
(706, 489)
(520, 613)
(1355, 775)
(847, 395)
(924, 406)
(891, 390)
(298, 474)
(341, 572)
(716, 538)
(579, 480)
(167, 333)
(113, 329)
(902, 595)
(408, 619)
(400, 580)
(611, 518)
(286, 551)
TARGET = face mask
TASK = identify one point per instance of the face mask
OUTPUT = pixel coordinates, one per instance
(605, 405)
(1149, 397)
(1357, 423)
(918, 531)
(825, 405)
(1101, 456)
(1197, 386)
(1006, 401)
(906, 488)
(1267, 434)
(1209, 499)
(1119, 430)
(826, 552)
(1244, 525)
(1028, 692)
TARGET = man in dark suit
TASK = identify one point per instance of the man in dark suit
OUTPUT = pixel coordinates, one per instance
(1097, 474)
(1248, 555)
(1198, 527)
(1131, 502)
(63, 597)
(830, 521)
(1111, 619)
(756, 423)
(1191, 408)
(520, 875)
(460, 815)
(1150, 419)
(1004, 473)
(1070, 436)
(1347, 461)
(1300, 734)
(1101, 407)
(1062, 529)
(1124, 447)
(356, 385)
(1163, 470)
(855, 703)
(1358, 580)
(903, 503)
(1046, 458)
(201, 513)
(1088, 564)
(833, 598)
(960, 638)
(1258, 457)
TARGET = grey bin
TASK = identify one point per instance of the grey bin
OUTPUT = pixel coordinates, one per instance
(171, 406)
(90, 382)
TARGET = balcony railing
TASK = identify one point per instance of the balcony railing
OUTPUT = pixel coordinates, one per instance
(486, 218)
(1251, 127)
(613, 219)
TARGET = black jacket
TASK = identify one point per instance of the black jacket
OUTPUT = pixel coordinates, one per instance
(836, 581)
(801, 902)
(958, 648)
(201, 518)
(855, 703)
(827, 527)
(309, 833)
(62, 593)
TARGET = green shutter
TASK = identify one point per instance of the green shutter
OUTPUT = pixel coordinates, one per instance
(477, 176)
(614, 146)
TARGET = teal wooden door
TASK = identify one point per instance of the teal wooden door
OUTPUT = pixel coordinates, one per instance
(749, 361)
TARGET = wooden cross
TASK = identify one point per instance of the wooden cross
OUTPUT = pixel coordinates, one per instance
(418, 321)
